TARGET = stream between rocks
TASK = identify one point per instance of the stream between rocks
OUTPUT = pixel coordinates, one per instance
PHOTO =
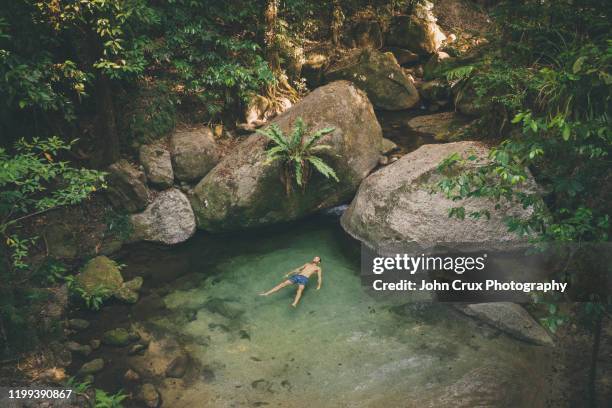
(340, 348)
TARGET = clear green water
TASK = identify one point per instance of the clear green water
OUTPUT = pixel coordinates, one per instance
(340, 347)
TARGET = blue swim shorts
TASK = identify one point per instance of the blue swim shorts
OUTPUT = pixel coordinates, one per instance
(299, 279)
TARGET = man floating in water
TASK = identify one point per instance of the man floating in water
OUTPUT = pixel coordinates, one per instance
(299, 276)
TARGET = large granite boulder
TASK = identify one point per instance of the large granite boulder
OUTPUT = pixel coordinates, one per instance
(194, 153)
(395, 206)
(244, 191)
(169, 219)
(380, 76)
(157, 164)
(127, 187)
(418, 32)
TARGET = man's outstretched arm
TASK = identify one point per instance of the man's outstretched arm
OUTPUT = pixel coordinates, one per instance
(320, 278)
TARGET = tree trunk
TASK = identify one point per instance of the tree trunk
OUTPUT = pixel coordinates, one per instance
(336, 22)
(105, 127)
(272, 55)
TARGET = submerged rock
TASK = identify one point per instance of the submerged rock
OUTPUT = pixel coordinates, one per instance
(224, 308)
(510, 318)
(194, 153)
(75, 347)
(127, 187)
(442, 127)
(380, 76)
(100, 276)
(177, 367)
(169, 219)
(395, 206)
(78, 324)
(244, 191)
(157, 164)
(418, 32)
(119, 337)
(129, 291)
(92, 367)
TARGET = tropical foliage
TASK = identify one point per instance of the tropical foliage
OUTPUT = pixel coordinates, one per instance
(33, 180)
(544, 87)
(298, 153)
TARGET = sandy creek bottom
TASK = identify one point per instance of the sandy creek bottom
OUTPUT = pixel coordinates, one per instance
(342, 347)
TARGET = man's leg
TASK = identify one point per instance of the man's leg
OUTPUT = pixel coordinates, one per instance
(276, 288)
(298, 295)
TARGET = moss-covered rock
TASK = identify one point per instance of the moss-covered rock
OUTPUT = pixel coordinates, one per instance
(100, 275)
(92, 367)
(380, 76)
(119, 337)
(244, 191)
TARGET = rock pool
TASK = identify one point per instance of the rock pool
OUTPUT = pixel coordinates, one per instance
(341, 347)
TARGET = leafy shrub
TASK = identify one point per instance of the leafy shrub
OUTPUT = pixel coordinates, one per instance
(32, 181)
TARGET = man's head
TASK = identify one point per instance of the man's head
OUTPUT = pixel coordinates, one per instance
(316, 260)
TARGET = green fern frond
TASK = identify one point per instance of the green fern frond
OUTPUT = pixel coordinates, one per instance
(459, 73)
(298, 132)
(323, 167)
(317, 135)
(320, 148)
(275, 134)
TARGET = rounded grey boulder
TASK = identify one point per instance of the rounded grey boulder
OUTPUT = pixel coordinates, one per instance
(194, 153)
(169, 219)
(244, 191)
(394, 206)
(157, 164)
(380, 76)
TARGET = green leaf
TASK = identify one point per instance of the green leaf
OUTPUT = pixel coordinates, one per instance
(323, 168)
(567, 131)
(578, 64)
